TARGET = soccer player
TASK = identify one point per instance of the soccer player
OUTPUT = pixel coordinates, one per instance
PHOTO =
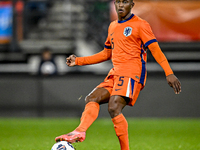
(126, 45)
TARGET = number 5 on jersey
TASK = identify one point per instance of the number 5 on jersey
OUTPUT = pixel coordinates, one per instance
(112, 43)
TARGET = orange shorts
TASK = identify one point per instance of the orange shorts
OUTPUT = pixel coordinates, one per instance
(123, 86)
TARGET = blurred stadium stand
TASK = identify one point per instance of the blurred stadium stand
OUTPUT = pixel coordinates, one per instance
(75, 26)
(80, 27)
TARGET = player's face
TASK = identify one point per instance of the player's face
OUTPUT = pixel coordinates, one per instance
(123, 8)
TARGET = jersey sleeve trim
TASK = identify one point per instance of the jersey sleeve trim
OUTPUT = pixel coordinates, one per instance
(108, 47)
(149, 42)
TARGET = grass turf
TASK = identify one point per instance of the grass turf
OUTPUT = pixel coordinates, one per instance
(144, 134)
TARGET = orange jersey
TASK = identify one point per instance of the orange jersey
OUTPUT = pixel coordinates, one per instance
(127, 39)
(126, 46)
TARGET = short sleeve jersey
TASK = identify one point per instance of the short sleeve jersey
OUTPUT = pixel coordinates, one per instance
(128, 40)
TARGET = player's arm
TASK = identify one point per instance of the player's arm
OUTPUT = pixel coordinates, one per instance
(104, 55)
(94, 59)
(163, 62)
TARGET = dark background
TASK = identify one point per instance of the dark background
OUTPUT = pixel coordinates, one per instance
(80, 27)
(63, 96)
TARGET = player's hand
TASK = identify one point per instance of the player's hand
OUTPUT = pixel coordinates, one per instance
(174, 83)
(71, 60)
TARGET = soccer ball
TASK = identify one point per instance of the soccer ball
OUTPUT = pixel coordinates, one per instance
(62, 145)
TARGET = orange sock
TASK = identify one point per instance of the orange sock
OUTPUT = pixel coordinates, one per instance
(121, 129)
(89, 115)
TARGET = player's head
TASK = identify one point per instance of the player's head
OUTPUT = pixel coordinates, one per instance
(123, 8)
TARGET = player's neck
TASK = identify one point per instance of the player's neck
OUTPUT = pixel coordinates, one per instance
(128, 18)
(125, 17)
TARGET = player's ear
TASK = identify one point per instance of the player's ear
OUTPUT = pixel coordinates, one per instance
(132, 4)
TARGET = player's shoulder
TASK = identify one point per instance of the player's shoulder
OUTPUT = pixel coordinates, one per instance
(139, 20)
(113, 23)
(140, 23)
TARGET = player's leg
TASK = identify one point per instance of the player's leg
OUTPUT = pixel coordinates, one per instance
(89, 115)
(115, 106)
(93, 100)
(128, 89)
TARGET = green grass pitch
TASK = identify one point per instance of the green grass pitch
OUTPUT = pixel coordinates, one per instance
(144, 134)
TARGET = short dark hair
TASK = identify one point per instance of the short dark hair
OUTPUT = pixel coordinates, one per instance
(45, 49)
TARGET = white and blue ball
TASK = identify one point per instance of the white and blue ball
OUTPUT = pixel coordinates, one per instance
(62, 145)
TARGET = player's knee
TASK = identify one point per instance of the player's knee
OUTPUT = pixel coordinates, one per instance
(90, 98)
(113, 111)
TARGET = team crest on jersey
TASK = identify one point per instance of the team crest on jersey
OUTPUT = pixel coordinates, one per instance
(127, 31)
